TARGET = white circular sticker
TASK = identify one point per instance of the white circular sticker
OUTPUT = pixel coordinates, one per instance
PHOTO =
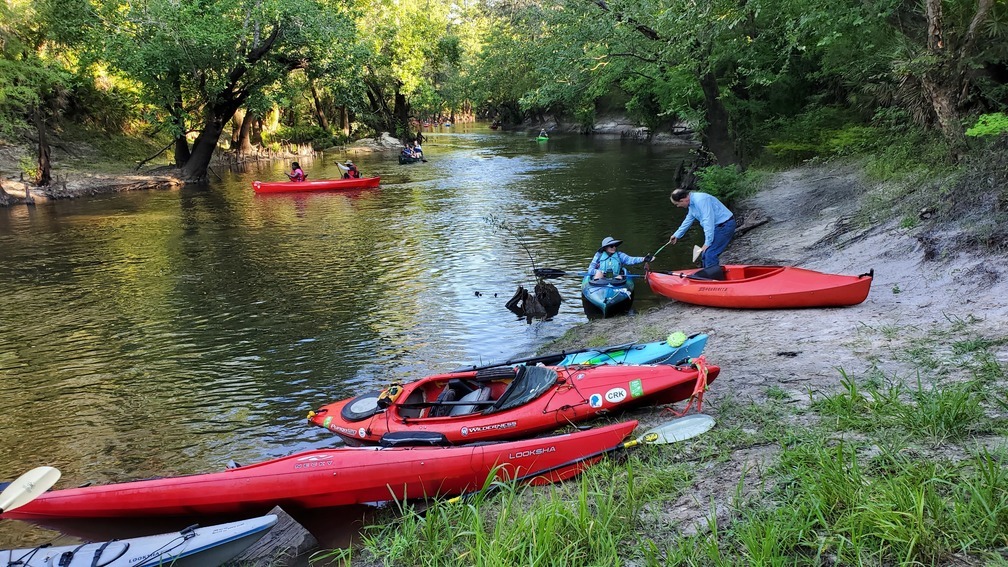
(615, 395)
(362, 433)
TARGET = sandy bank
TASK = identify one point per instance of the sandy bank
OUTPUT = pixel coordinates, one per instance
(800, 353)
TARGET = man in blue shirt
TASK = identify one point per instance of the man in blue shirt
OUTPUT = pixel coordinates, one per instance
(717, 221)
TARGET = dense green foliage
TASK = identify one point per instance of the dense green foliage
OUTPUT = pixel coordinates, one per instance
(787, 79)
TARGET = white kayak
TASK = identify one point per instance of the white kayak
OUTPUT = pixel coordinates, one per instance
(191, 547)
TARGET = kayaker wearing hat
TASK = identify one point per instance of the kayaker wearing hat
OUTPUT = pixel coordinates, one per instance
(609, 262)
(349, 170)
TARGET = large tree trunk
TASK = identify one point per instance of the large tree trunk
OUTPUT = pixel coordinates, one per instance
(195, 170)
(179, 121)
(236, 124)
(717, 134)
(217, 115)
(401, 113)
(344, 120)
(255, 136)
(320, 116)
(376, 100)
(43, 176)
(244, 137)
(947, 83)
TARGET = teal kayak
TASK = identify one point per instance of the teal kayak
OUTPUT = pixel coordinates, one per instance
(608, 294)
(660, 352)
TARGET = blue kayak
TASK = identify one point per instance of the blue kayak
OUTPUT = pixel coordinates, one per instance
(608, 294)
(660, 352)
(645, 353)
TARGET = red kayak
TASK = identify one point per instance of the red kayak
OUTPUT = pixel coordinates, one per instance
(336, 477)
(505, 402)
(762, 287)
(320, 185)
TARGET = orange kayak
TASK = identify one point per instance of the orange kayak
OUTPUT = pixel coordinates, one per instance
(320, 185)
(762, 287)
(506, 403)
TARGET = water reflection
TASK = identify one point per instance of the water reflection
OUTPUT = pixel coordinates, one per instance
(163, 333)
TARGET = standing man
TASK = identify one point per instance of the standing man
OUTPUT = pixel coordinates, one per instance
(717, 221)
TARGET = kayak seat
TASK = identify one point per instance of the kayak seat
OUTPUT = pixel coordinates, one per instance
(446, 395)
(711, 273)
(454, 390)
(408, 409)
(476, 396)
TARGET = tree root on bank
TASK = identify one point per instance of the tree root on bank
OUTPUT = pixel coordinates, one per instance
(542, 303)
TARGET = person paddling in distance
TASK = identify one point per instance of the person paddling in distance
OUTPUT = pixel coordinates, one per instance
(350, 170)
(296, 174)
(609, 262)
(717, 221)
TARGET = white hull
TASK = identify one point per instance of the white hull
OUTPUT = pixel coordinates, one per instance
(199, 547)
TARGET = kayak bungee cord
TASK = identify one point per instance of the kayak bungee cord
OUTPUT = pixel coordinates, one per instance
(700, 363)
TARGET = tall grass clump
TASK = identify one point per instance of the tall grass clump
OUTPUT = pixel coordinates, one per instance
(881, 510)
(864, 409)
(948, 412)
(581, 524)
(939, 414)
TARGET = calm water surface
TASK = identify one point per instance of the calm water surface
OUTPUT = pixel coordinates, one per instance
(160, 333)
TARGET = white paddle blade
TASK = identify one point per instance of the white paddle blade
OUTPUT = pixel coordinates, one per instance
(684, 428)
(28, 487)
(696, 252)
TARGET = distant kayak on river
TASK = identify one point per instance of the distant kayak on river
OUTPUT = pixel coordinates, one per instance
(320, 185)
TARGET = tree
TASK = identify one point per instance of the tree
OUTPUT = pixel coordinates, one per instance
(400, 39)
(200, 60)
(33, 84)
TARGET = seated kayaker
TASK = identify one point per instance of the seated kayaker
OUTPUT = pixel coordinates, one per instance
(417, 150)
(543, 134)
(407, 152)
(609, 262)
(296, 174)
(351, 171)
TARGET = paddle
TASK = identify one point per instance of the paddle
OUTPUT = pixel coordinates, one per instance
(547, 273)
(679, 429)
(545, 357)
(696, 252)
(659, 250)
(28, 487)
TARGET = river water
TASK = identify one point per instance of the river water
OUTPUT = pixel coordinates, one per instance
(160, 333)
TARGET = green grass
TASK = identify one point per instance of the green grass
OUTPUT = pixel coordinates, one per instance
(953, 411)
(884, 470)
(583, 523)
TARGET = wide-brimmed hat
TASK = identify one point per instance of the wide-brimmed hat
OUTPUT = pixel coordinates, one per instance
(609, 241)
(348, 162)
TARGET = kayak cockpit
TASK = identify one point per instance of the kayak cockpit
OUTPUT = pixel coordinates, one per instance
(498, 389)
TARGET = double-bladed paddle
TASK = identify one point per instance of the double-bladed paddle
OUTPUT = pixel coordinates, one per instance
(27, 487)
(547, 273)
(679, 429)
(545, 357)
